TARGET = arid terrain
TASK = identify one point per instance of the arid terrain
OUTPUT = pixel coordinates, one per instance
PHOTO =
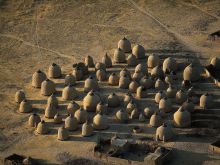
(36, 33)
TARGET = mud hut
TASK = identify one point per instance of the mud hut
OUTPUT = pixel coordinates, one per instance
(72, 107)
(100, 65)
(157, 72)
(165, 105)
(69, 93)
(147, 82)
(127, 98)
(188, 105)
(69, 80)
(25, 106)
(170, 64)
(100, 121)
(33, 120)
(160, 84)
(132, 60)
(191, 72)
(141, 92)
(125, 72)
(153, 61)
(89, 62)
(148, 111)
(164, 133)
(119, 56)
(101, 107)
(156, 120)
(42, 128)
(137, 76)
(138, 51)
(113, 79)
(50, 111)
(90, 101)
(71, 123)
(54, 71)
(91, 84)
(63, 134)
(113, 100)
(125, 45)
(87, 129)
(181, 96)
(133, 86)
(47, 87)
(142, 67)
(19, 96)
(122, 116)
(171, 91)
(52, 99)
(77, 73)
(182, 118)
(124, 82)
(135, 113)
(101, 75)
(158, 96)
(107, 61)
(37, 78)
(131, 106)
(81, 115)
(206, 101)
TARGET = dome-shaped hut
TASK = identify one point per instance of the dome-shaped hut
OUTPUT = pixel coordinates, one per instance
(142, 67)
(147, 82)
(125, 72)
(77, 73)
(165, 105)
(159, 95)
(52, 99)
(125, 45)
(119, 56)
(101, 75)
(170, 64)
(153, 61)
(72, 107)
(71, 123)
(113, 100)
(188, 105)
(81, 115)
(89, 62)
(215, 62)
(69, 93)
(100, 65)
(91, 84)
(181, 96)
(47, 87)
(57, 119)
(124, 82)
(127, 98)
(90, 101)
(42, 128)
(132, 60)
(171, 91)
(141, 92)
(101, 107)
(191, 72)
(63, 134)
(160, 84)
(87, 129)
(131, 106)
(25, 106)
(19, 96)
(122, 116)
(37, 78)
(164, 133)
(137, 76)
(54, 71)
(157, 72)
(100, 121)
(50, 111)
(113, 79)
(156, 120)
(69, 80)
(138, 51)
(182, 118)
(33, 120)
(206, 101)
(133, 86)
(107, 61)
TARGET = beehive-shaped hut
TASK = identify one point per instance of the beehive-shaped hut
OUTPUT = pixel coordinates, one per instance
(182, 118)
(19, 96)
(153, 61)
(131, 106)
(113, 100)
(191, 72)
(138, 51)
(165, 105)
(147, 82)
(170, 64)
(188, 105)
(37, 78)
(100, 65)
(69, 93)
(57, 119)
(206, 101)
(160, 84)
(90, 101)
(125, 72)
(119, 56)
(71, 123)
(215, 62)
(87, 129)
(63, 134)
(50, 111)
(52, 99)
(69, 80)
(42, 128)
(81, 115)
(156, 120)
(101, 75)
(169, 79)
(122, 116)
(142, 67)
(157, 72)
(135, 113)
(89, 62)
(100, 121)
(47, 87)
(113, 79)
(133, 86)
(137, 76)
(54, 71)
(171, 91)
(125, 45)
(159, 95)
(91, 84)
(124, 82)
(141, 92)
(33, 120)
(72, 107)
(127, 98)
(181, 96)
(132, 60)
(148, 111)
(77, 73)
(101, 107)
(25, 106)
(164, 133)
(107, 61)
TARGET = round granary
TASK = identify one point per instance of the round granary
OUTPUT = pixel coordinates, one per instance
(113, 79)
(71, 123)
(63, 134)
(113, 100)
(119, 56)
(54, 71)
(87, 129)
(101, 75)
(107, 61)
(122, 116)
(91, 84)
(164, 133)
(153, 61)
(156, 120)
(138, 51)
(89, 62)
(72, 107)
(169, 64)
(69, 93)
(19, 96)
(182, 118)
(47, 87)
(33, 120)
(37, 78)
(206, 101)
(100, 121)
(81, 115)
(42, 128)
(125, 45)
(25, 106)
(69, 80)
(132, 60)
(50, 111)
(90, 101)
(52, 99)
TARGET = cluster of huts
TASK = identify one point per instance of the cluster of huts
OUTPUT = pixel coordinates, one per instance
(162, 77)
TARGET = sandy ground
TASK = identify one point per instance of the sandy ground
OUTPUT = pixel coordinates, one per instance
(33, 34)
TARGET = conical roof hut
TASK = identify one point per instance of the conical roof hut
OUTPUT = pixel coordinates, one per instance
(191, 73)
(165, 105)
(171, 91)
(100, 121)
(215, 62)
(113, 100)
(52, 99)
(42, 128)
(81, 115)
(164, 133)
(135, 113)
(50, 111)
(125, 72)
(159, 95)
(89, 62)
(206, 101)
(133, 86)
(132, 60)
(101, 75)
(119, 56)
(87, 129)
(69, 93)
(127, 98)
(138, 51)
(63, 134)
(142, 67)
(101, 107)
(131, 106)
(181, 96)
(33, 120)
(137, 76)
(90, 101)
(69, 80)
(156, 120)
(107, 61)
(159, 84)
(182, 118)
(72, 107)
(57, 119)
(100, 65)
(148, 111)
(122, 116)
(147, 82)
(37, 78)
(91, 84)
(125, 45)
(54, 71)
(47, 87)
(170, 64)
(25, 106)
(71, 123)
(19, 96)
(113, 79)
(157, 72)
(124, 82)
(188, 105)
(153, 61)
(77, 73)
(141, 92)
